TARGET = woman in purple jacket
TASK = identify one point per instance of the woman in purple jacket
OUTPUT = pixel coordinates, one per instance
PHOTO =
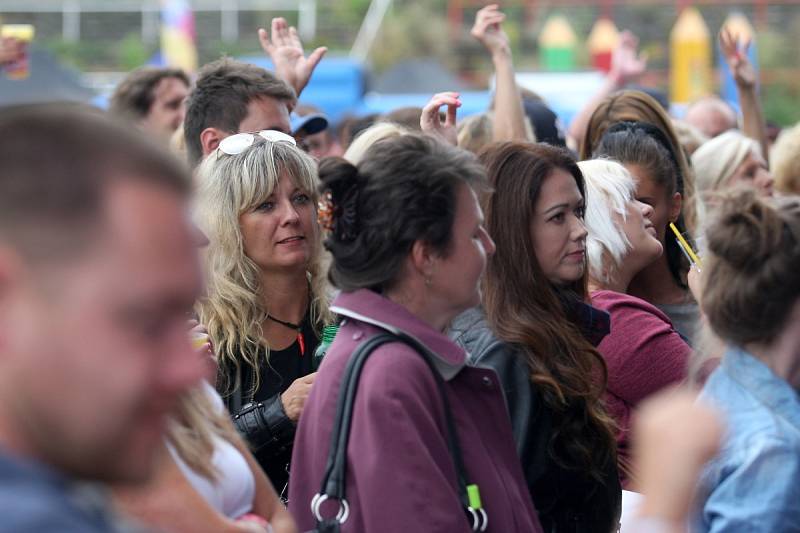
(408, 249)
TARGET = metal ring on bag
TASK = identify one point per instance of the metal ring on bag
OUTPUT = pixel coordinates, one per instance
(475, 519)
(478, 523)
(485, 519)
(319, 499)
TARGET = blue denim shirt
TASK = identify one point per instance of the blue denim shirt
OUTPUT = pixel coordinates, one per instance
(37, 499)
(754, 483)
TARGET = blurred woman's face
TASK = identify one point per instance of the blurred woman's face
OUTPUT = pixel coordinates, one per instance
(281, 232)
(752, 172)
(456, 277)
(641, 234)
(557, 229)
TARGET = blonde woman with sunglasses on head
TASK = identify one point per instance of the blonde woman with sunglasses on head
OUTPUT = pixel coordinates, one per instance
(266, 301)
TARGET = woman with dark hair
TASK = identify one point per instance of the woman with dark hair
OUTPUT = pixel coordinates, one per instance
(752, 302)
(636, 106)
(646, 152)
(538, 334)
(408, 249)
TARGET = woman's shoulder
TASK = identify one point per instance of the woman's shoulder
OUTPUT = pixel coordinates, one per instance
(389, 363)
(472, 332)
(753, 414)
(618, 302)
(213, 397)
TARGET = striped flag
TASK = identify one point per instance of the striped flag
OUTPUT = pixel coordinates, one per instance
(178, 35)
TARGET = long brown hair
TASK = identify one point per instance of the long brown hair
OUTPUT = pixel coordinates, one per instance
(528, 311)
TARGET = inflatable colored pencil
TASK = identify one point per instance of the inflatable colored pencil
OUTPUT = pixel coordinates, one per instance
(601, 43)
(690, 57)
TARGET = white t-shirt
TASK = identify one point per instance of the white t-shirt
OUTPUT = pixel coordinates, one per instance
(233, 492)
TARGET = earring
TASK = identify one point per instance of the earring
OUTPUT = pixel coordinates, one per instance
(427, 281)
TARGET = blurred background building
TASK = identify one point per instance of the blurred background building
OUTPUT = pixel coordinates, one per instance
(369, 40)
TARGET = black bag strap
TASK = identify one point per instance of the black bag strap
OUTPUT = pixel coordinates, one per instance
(237, 392)
(334, 479)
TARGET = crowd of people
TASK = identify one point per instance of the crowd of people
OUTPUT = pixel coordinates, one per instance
(517, 319)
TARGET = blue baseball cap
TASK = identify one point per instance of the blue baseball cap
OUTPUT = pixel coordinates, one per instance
(310, 124)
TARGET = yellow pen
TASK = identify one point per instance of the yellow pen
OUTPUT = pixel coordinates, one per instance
(685, 245)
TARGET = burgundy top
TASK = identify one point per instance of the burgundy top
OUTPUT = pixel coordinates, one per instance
(400, 476)
(643, 353)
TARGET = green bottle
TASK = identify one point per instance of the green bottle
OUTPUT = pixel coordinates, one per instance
(328, 334)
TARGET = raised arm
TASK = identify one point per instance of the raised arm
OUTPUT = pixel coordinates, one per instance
(283, 46)
(746, 87)
(626, 65)
(509, 115)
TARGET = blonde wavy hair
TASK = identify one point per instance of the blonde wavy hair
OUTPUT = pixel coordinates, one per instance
(233, 310)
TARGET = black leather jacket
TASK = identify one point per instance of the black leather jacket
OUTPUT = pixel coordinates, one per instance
(567, 501)
(268, 432)
(260, 416)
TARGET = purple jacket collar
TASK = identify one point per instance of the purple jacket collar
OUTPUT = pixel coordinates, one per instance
(371, 308)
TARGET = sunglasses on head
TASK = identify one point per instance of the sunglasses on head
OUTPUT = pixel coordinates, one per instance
(236, 144)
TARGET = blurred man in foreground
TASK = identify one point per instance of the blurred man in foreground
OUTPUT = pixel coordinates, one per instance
(97, 273)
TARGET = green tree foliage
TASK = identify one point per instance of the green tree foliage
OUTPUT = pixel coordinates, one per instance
(132, 52)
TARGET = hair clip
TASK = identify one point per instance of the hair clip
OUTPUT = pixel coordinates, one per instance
(325, 211)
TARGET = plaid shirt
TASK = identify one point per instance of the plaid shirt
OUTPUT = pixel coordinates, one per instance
(594, 323)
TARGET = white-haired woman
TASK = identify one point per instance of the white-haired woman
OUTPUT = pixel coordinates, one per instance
(643, 352)
(729, 161)
(266, 301)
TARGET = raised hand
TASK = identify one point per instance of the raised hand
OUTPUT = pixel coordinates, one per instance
(736, 56)
(488, 31)
(430, 122)
(201, 343)
(626, 61)
(674, 436)
(286, 51)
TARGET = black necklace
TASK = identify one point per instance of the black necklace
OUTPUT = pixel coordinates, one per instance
(295, 327)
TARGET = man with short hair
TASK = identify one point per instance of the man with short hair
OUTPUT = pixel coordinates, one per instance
(153, 99)
(98, 270)
(231, 97)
